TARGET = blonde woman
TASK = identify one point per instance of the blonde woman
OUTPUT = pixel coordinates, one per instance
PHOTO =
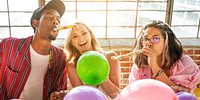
(81, 39)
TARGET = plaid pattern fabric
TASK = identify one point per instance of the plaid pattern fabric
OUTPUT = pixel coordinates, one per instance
(15, 66)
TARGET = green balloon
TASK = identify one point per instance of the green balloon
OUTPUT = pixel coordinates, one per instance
(93, 68)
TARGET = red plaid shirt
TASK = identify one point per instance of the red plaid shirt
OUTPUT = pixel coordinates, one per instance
(15, 66)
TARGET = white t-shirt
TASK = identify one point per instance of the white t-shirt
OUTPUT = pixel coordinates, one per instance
(33, 89)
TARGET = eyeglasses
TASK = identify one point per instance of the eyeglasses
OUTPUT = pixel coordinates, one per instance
(153, 40)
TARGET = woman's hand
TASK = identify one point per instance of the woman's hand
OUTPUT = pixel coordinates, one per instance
(177, 88)
(152, 56)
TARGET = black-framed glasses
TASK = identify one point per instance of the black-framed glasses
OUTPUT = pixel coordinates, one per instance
(153, 40)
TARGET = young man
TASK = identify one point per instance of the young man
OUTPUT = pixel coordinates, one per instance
(32, 68)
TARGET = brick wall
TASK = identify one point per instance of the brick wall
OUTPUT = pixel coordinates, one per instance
(193, 52)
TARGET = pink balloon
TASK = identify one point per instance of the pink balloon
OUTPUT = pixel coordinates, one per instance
(147, 89)
(85, 93)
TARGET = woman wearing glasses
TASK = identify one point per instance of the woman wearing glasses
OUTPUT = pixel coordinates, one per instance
(163, 59)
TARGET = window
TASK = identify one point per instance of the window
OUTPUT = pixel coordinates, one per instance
(185, 19)
(15, 17)
(108, 18)
(114, 18)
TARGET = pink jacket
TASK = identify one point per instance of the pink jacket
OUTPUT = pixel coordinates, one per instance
(184, 72)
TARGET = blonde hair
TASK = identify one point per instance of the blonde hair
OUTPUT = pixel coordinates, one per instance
(72, 52)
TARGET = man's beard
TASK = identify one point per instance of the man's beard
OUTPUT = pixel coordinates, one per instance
(52, 37)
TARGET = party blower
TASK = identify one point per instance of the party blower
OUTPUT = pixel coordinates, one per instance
(127, 55)
(65, 27)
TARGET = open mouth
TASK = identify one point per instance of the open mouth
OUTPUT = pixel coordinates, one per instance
(83, 43)
(56, 28)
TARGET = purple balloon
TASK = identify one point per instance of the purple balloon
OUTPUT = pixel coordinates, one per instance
(85, 93)
(185, 96)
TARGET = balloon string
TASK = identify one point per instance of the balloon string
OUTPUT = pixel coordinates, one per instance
(120, 57)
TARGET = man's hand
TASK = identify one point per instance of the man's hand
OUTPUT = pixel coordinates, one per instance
(58, 95)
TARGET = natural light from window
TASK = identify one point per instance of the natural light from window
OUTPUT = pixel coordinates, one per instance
(112, 19)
